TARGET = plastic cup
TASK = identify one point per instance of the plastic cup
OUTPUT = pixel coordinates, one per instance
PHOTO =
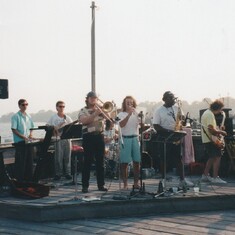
(196, 189)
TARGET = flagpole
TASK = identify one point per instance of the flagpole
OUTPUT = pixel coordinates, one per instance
(93, 6)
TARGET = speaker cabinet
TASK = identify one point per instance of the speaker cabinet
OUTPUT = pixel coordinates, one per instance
(3, 89)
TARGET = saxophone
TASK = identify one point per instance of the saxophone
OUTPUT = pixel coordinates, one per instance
(178, 121)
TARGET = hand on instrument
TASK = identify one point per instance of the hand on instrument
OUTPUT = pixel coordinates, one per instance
(131, 110)
(97, 112)
(223, 133)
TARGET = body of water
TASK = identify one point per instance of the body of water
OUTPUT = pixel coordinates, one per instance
(7, 136)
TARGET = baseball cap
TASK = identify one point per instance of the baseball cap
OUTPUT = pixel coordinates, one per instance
(91, 94)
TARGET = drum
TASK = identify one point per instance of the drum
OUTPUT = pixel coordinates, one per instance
(147, 135)
(111, 151)
(146, 160)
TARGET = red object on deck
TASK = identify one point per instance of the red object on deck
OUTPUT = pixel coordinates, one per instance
(77, 148)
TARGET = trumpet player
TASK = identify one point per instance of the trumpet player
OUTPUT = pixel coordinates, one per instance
(130, 150)
(92, 117)
(165, 120)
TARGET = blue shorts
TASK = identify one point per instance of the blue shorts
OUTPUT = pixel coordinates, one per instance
(130, 151)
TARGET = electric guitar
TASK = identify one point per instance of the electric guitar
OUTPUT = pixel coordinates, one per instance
(219, 139)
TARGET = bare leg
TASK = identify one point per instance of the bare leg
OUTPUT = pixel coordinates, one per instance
(136, 169)
(124, 167)
(216, 165)
(180, 168)
(208, 166)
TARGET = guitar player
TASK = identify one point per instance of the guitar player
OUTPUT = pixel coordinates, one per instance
(212, 139)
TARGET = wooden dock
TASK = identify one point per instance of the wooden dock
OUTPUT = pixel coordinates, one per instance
(66, 203)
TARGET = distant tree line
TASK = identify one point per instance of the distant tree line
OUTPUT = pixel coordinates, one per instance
(193, 110)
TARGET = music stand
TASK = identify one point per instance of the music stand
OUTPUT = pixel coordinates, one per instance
(73, 131)
(167, 137)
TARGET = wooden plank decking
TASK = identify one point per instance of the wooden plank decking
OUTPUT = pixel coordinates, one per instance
(65, 203)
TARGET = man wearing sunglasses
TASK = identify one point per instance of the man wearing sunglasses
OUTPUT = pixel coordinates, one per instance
(62, 146)
(21, 123)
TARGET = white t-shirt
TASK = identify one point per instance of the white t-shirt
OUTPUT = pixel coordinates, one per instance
(132, 125)
(59, 122)
(166, 117)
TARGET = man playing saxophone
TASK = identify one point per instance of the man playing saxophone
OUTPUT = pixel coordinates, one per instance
(167, 118)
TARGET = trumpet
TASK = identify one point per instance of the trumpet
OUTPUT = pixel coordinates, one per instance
(134, 111)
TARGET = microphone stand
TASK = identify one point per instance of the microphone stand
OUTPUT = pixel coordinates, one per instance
(142, 185)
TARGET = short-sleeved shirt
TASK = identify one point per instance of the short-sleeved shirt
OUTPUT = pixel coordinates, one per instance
(166, 117)
(57, 121)
(96, 126)
(131, 127)
(208, 118)
(21, 123)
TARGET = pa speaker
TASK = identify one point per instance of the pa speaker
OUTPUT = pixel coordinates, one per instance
(3, 89)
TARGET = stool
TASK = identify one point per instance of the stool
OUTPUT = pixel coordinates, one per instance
(76, 159)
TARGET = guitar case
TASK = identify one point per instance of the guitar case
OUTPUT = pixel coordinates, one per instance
(29, 190)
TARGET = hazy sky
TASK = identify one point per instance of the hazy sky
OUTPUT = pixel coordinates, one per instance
(143, 48)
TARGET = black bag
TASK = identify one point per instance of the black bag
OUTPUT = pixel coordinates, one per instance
(29, 190)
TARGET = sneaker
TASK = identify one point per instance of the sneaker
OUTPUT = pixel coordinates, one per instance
(68, 177)
(188, 183)
(218, 180)
(85, 190)
(163, 183)
(206, 178)
(103, 189)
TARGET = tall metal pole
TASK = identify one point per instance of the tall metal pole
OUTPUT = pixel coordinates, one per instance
(93, 6)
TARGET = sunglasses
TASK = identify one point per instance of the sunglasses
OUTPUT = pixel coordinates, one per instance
(24, 104)
(61, 106)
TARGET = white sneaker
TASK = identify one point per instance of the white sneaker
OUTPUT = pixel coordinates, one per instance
(206, 178)
(218, 180)
(182, 184)
(188, 183)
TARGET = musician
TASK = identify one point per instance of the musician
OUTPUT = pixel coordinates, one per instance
(62, 146)
(164, 120)
(110, 139)
(213, 150)
(130, 149)
(21, 123)
(110, 134)
(92, 118)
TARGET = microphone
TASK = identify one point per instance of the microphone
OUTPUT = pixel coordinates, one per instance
(141, 114)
